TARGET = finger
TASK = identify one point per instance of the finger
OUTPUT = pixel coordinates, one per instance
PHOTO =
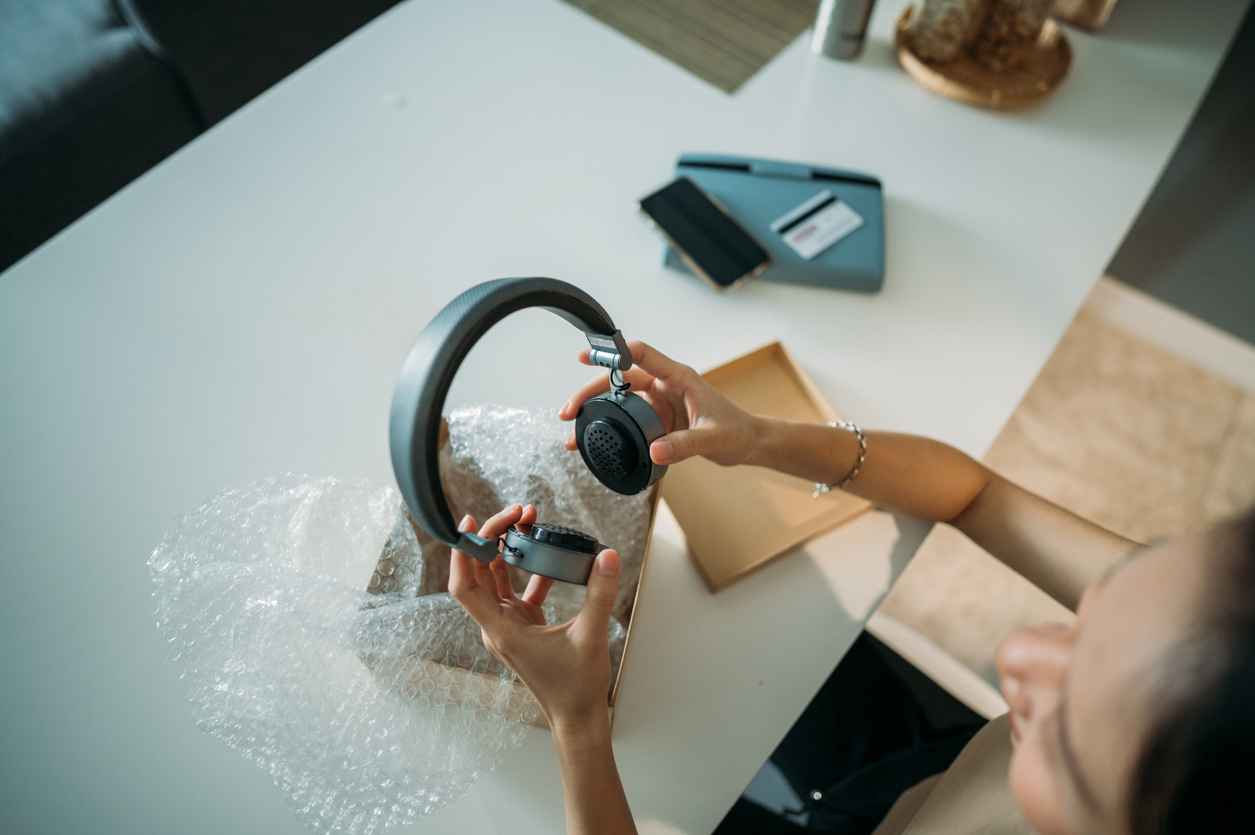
(501, 575)
(496, 527)
(485, 578)
(598, 385)
(493, 530)
(638, 378)
(464, 586)
(461, 573)
(603, 588)
(467, 525)
(646, 356)
(647, 363)
(655, 362)
(527, 516)
(677, 446)
(537, 590)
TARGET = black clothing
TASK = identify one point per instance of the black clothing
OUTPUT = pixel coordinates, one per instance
(875, 729)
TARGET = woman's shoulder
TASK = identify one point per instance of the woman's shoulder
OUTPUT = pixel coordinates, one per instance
(972, 797)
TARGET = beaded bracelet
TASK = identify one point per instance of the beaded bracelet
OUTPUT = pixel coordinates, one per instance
(858, 465)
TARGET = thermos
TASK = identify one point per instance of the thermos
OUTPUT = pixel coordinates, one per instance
(840, 27)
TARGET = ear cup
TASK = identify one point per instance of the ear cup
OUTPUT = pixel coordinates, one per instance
(613, 433)
(551, 551)
(561, 537)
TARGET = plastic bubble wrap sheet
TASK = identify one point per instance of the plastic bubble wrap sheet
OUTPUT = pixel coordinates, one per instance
(368, 709)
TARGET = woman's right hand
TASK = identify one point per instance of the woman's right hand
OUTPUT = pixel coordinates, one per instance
(567, 665)
(698, 419)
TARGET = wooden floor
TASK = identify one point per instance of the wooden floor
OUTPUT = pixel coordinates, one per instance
(723, 42)
(1114, 429)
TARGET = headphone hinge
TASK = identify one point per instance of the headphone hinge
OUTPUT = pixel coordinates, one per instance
(476, 546)
(609, 351)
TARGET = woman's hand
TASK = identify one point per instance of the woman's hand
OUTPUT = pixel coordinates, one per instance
(566, 666)
(698, 419)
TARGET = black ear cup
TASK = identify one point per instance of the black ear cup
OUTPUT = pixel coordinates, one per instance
(613, 433)
(551, 551)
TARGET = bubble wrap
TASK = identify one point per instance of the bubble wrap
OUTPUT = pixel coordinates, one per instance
(311, 624)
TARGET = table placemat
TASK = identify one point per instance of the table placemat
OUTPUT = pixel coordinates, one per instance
(723, 42)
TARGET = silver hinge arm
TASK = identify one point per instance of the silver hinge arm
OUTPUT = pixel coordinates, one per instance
(609, 351)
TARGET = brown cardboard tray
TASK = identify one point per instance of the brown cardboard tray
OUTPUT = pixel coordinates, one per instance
(739, 519)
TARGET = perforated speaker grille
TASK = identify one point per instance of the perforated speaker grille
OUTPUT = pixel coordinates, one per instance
(610, 452)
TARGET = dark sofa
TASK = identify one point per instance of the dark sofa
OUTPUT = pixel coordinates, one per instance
(93, 93)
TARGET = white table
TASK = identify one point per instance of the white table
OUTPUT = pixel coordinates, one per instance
(243, 310)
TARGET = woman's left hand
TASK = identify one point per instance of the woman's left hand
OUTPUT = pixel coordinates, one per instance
(566, 666)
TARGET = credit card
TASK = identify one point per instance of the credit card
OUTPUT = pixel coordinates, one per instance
(817, 224)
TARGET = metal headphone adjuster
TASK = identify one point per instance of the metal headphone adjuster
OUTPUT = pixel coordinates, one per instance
(609, 351)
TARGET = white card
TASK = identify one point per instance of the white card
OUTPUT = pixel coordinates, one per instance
(817, 224)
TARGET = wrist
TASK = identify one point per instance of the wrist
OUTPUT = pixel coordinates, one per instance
(575, 733)
(765, 432)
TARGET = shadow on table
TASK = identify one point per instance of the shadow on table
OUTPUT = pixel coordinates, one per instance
(686, 748)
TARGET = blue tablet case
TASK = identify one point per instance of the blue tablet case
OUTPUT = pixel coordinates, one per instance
(758, 191)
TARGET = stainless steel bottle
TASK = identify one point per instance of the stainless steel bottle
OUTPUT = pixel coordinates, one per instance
(840, 27)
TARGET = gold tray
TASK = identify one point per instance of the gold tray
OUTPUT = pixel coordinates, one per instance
(1046, 63)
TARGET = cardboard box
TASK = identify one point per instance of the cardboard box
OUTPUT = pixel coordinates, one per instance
(739, 519)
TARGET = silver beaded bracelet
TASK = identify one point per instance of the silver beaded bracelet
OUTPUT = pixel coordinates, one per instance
(858, 465)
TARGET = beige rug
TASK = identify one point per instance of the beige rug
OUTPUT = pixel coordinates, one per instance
(1113, 429)
(721, 41)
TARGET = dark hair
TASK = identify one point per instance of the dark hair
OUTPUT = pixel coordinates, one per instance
(1197, 769)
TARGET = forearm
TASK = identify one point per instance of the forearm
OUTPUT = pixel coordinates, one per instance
(1056, 550)
(1051, 547)
(595, 802)
(904, 473)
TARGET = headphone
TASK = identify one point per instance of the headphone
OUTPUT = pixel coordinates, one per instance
(613, 431)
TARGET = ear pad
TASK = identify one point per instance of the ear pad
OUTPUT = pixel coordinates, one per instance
(614, 432)
(551, 551)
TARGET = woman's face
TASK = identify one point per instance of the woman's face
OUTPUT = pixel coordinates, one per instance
(1081, 696)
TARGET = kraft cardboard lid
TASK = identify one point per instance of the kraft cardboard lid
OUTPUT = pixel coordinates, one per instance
(738, 519)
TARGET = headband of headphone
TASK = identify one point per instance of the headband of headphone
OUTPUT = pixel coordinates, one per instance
(418, 400)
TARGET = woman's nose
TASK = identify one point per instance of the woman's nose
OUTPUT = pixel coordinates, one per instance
(1032, 659)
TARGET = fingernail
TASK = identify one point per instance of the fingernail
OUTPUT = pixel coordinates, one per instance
(608, 563)
(514, 508)
(465, 524)
(661, 449)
